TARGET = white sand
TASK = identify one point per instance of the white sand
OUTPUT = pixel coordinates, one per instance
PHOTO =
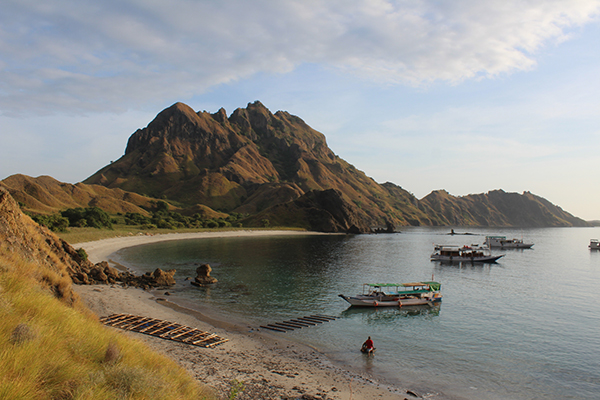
(269, 367)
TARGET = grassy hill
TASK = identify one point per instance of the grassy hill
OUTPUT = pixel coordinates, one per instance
(52, 346)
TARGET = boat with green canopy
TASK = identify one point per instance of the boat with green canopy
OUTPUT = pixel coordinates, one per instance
(396, 294)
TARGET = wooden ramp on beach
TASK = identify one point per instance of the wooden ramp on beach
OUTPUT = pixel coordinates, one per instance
(298, 323)
(163, 329)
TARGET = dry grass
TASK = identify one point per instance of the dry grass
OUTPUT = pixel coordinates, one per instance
(49, 350)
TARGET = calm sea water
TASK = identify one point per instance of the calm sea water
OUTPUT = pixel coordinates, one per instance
(526, 327)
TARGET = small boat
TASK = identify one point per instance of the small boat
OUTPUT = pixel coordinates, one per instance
(503, 243)
(473, 254)
(594, 244)
(396, 294)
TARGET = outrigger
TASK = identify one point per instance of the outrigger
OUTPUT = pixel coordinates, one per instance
(396, 294)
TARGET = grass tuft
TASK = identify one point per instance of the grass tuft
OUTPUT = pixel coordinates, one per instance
(113, 354)
(21, 334)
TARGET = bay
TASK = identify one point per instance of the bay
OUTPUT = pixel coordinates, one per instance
(526, 327)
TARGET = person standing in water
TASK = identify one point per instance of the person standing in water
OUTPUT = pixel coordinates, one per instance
(368, 346)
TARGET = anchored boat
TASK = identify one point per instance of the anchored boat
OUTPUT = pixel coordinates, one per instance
(594, 244)
(396, 294)
(503, 243)
(473, 253)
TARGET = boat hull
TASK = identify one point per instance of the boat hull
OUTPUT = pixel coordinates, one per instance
(486, 259)
(362, 301)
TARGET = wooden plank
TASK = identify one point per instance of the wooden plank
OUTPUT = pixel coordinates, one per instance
(320, 318)
(326, 316)
(318, 321)
(113, 318)
(211, 337)
(282, 326)
(293, 324)
(196, 336)
(174, 331)
(157, 328)
(306, 322)
(303, 323)
(140, 324)
(163, 329)
(217, 343)
(181, 334)
(119, 321)
(126, 322)
(273, 328)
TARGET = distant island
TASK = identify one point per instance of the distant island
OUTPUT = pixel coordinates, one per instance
(268, 170)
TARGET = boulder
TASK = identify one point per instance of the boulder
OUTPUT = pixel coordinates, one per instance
(203, 276)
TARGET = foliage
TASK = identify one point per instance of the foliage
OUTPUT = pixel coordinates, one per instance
(237, 387)
(54, 222)
(82, 253)
(91, 216)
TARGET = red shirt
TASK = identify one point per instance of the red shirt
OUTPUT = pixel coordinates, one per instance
(369, 344)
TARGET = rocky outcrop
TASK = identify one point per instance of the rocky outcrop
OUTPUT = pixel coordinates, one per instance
(20, 234)
(203, 276)
(103, 273)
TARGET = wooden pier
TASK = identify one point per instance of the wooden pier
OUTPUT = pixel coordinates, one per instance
(298, 323)
(163, 329)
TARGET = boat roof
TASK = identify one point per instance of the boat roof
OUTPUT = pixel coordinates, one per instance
(424, 283)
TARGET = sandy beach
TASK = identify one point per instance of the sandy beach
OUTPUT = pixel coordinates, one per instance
(270, 367)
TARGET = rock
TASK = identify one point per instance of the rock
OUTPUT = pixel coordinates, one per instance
(203, 276)
(164, 278)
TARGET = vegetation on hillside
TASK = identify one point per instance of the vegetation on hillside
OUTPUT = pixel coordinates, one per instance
(51, 350)
(160, 218)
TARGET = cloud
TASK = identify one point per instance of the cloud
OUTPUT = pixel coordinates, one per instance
(90, 56)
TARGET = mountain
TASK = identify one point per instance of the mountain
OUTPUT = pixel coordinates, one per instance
(497, 208)
(278, 171)
(247, 163)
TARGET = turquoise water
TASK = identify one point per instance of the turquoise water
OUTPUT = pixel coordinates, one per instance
(526, 327)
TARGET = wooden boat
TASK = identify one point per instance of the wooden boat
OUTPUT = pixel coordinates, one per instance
(396, 294)
(594, 244)
(503, 243)
(473, 254)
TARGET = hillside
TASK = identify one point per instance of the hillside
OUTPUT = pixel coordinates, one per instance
(46, 195)
(52, 346)
(497, 208)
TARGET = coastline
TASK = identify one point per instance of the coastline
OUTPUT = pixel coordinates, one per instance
(270, 367)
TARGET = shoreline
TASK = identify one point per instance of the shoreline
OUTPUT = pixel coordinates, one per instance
(269, 366)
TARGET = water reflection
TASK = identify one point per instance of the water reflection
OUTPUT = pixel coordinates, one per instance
(389, 315)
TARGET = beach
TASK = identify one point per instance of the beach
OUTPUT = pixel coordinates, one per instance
(268, 366)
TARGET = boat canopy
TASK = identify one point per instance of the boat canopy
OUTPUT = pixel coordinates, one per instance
(432, 285)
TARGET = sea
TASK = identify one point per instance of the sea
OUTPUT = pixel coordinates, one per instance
(524, 327)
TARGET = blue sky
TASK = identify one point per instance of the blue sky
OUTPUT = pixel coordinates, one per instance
(465, 95)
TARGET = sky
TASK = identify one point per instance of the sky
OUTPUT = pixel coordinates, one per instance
(462, 95)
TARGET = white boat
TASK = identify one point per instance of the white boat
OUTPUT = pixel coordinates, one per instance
(594, 244)
(396, 294)
(503, 243)
(473, 254)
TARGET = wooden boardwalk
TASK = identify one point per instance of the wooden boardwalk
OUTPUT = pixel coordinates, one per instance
(297, 323)
(163, 329)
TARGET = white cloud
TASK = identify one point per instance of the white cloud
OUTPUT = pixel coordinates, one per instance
(112, 55)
